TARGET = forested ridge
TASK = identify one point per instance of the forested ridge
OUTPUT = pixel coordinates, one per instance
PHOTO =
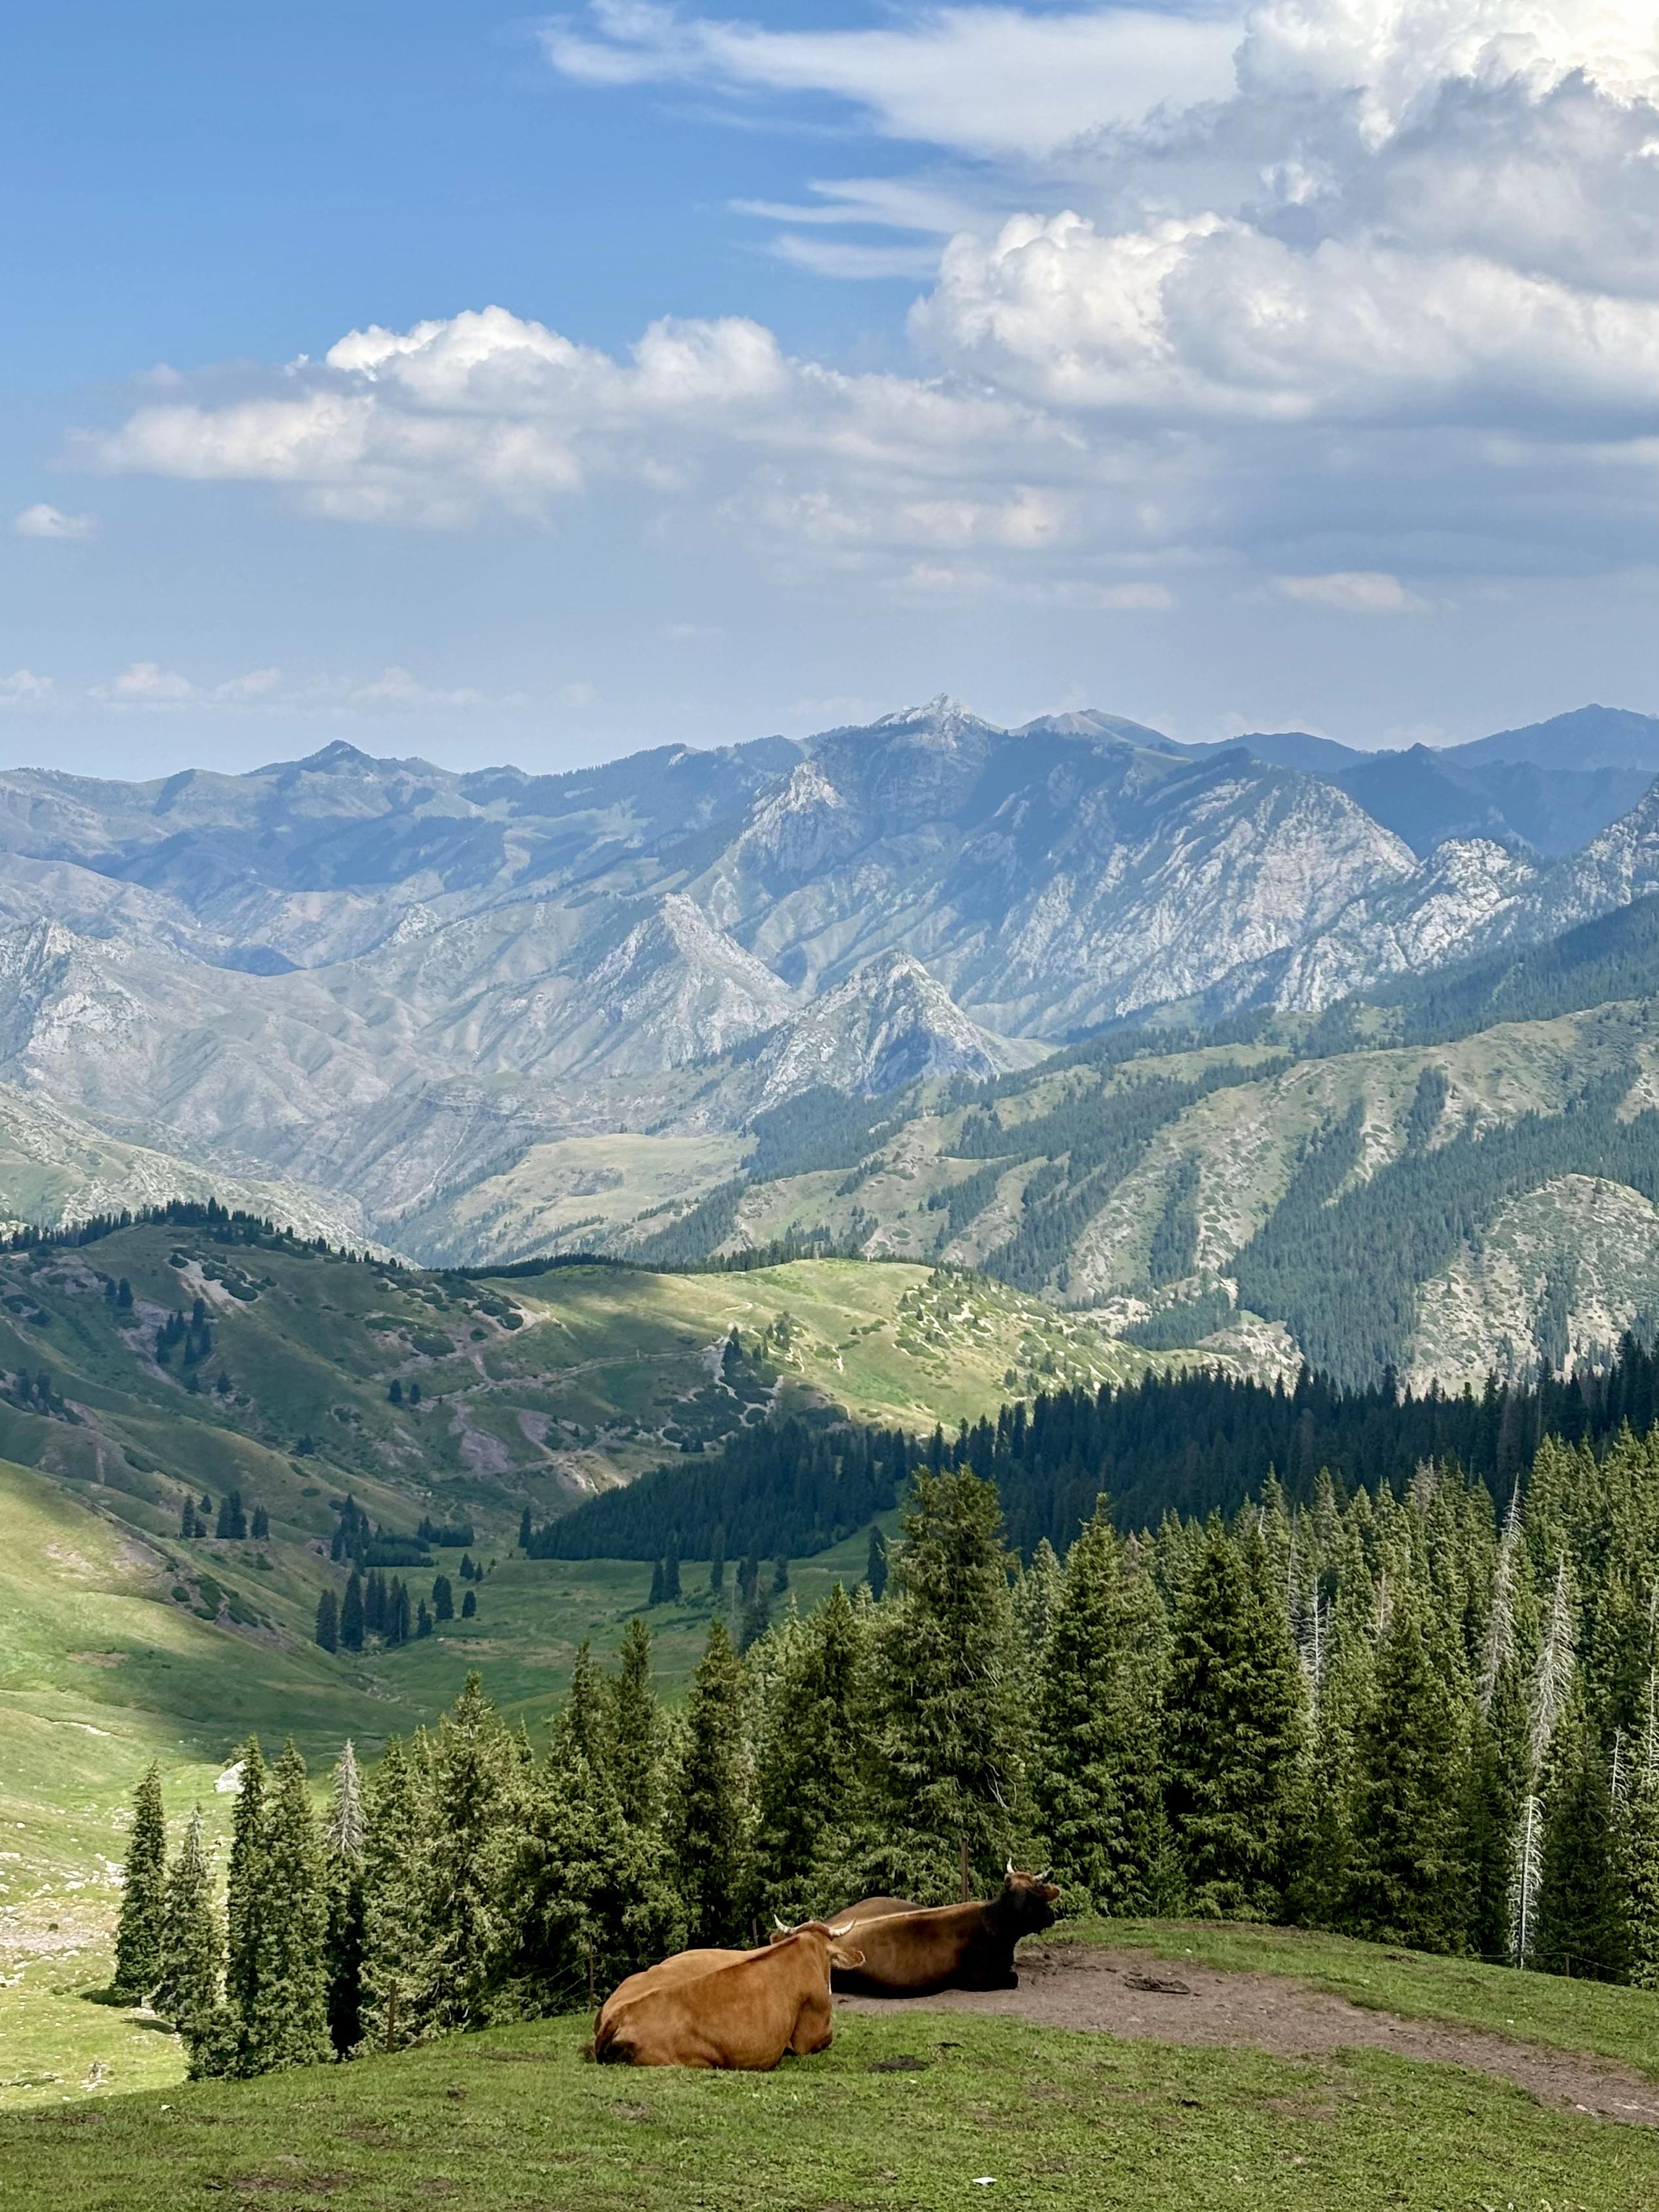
(1191, 1443)
(1417, 1719)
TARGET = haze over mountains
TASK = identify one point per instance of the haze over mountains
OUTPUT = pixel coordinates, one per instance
(370, 991)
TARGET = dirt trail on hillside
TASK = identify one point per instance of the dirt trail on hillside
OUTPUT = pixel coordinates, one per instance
(1084, 1986)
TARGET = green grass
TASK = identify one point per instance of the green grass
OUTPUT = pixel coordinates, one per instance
(994, 2113)
(1593, 2017)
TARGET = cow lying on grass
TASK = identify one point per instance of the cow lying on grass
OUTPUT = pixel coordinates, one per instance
(726, 2008)
(912, 1950)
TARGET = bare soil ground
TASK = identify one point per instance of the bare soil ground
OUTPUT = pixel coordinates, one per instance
(1129, 1993)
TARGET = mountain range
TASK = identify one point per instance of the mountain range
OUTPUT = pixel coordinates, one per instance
(471, 1015)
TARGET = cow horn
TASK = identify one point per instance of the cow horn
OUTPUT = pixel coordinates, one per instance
(1044, 1876)
(846, 1928)
(1008, 1870)
(783, 1925)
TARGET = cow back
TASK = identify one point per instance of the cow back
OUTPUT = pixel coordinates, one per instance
(745, 2013)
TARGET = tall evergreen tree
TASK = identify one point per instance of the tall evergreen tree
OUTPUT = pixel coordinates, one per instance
(192, 1955)
(1234, 1737)
(637, 1733)
(144, 1894)
(656, 1595)
(246, 1889)
(808, 1770)
(344, 1845)
(708, 1817)
(1407, 1882)
(443, 1598)
(670, 1573)
(875, 1563)
(328, 1621)
(286, 2025)
(1494, 1794)
(586, 1723)
(949, 1738)
(1640, 1842)
(398, 1834)
(1583, 1908)
(717, 1563)
(1099, 1760)
(472, 1774)
(352, 1622)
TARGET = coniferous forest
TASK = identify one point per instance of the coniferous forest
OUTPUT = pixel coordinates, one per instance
(1413, 1712)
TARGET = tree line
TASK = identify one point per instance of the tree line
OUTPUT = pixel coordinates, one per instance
(1409, 1717)
(1199, 1442)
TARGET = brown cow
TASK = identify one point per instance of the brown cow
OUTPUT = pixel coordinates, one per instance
(744, 2012)
(912, 1950)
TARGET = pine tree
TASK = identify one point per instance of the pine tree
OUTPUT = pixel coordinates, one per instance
(470, 1605)
(590, 1899)
(1097, 1779)
(1495, 1792)
(875, 1563)
(143, 1895)
(671, 1574)
(637, 1732)
(1407, 1882)
(246, 1889)
(808, 1768)
(717, 1563)
(1641, 1854)
(1583, 1910)
(950, 1733)
(708, 1821)
(526, 1531)
(287, 2023)
(328, 1621)
(585, 1725)
(352, 1624)
(471, 1776)
(192, 1954)
(260, 1525)
(398, 1835)
(344, 1845)
(1236, 1732)
(656, 1595)
(443, 1598)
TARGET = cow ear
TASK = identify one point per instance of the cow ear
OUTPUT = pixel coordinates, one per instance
(844, 1955)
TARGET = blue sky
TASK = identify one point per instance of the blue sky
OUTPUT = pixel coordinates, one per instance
(1293, 367)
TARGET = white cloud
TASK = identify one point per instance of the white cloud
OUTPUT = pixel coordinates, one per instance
(41, 520)
(24, 688)
(147, 683)
(1353, 592)
(984, 80)
(395, 687)
(576, 696)
(1356, 295)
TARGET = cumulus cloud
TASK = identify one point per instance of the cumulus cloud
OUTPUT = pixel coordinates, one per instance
(1353, 592)
(24, 688)
(986, 80)
(1350, 292)
(41, 520)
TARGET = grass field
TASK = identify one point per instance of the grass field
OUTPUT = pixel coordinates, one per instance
(924, 2109)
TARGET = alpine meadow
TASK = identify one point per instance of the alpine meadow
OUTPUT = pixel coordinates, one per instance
(762, 1448)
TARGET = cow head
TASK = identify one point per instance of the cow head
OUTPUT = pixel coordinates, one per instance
(1028, 1899)
(842, 1953)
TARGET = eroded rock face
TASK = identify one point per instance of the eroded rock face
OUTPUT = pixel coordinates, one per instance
(385, 980)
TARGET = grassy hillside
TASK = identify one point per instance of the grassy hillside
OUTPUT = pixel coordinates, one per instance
(1175, 1195)
(917, 2108)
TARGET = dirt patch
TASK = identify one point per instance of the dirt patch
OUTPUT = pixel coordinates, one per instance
(1084, 1985)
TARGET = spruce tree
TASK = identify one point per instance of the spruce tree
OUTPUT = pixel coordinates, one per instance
(585, 1724)
(526, 1531)
(1235, 1736)
(875, 1563)
(655, 1596)
(328, 1621)
(398, 1835)
(1640, 1841)
(470, 1605)
(808, 1767)
(636, 1731)
(143, 1895)
(589, 1899)
(443, 1598)
(1495, 1792)
(1407, 1879)
(670, 1573)
(707, 1819)
(344, 1845)
(949, 1737)
(1583, 1908)
(352, 1623)
(287, 2024)
(1098, 1757)
(246, 1889)
(472, 1772)
(717, 1563)
(193, 1954)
